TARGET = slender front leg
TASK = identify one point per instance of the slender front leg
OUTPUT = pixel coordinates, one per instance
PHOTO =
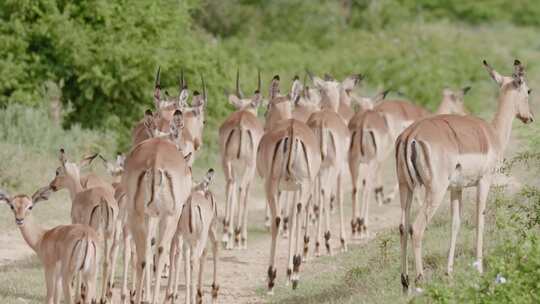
(297, 259)
(482, 194)
(50, 283)
(202, 261)
(230, 220)
(320, 206)
(127, 256)
(455, 201)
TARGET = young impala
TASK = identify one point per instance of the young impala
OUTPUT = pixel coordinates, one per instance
(64, 251)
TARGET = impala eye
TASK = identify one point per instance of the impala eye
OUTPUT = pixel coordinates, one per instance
(529, 91)
(30, 208)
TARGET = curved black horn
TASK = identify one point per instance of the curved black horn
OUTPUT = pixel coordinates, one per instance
(203, 87)
(238, 82)
(258, 80)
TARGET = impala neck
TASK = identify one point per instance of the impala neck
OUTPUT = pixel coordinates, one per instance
(504, 118)
(32, 233)
(443, 108)
(74, 186)
(344, 98)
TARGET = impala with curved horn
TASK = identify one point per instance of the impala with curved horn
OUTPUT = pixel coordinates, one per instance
(239, 137)
(455, 152)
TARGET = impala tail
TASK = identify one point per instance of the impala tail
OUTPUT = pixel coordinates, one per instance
(412, 162)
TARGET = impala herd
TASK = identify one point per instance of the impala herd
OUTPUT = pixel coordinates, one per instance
(311, 138)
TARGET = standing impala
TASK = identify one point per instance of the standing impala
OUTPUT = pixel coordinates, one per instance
(93, 206)
(288, 158)
(64, 251)
(373, 134)
(158, 182)
(239, 138)
(455, 152)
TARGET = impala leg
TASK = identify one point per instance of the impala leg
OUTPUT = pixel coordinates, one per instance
(285, 211)
(202, 261)
(320, 206)
(173, 252)
(406, 197)
(228, 203)
(127, 256)
(67, 279)
(244, 225)
(292, 212)
(354, 167)
(142, 243)
(215, 253)
(177, 271)
(342, 234)
(366, 197)
(239, 217)
(305, 255)
(482, 194)
(58, 288)
(231, 225)
(297, 259)
(166, 232)
(455, 201)
(187, 271)
(114, 255)
(50, 283)
(272, 204)
(434, 196)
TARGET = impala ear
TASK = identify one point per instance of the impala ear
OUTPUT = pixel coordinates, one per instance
(494, 74)
(4, 196)
(296, 89)
(41, 194)
(380, 96)
(62, 156)
(256, 99)
(351, 82)
(274, 87)
(318, 83)
(87, 160)
(235, 101)
(465, 90)
(210, 175)
(187, 158)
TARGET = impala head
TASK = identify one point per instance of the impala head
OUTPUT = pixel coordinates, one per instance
(279, 106)
(207, 180)
(115, 169)
(366, 102)
(453, 101)
(68, 173)
(193, 116)
(332, 91)
(517, 87)
(22, 204)
(251, 103)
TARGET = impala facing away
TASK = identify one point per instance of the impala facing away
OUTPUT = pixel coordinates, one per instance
(197, 223)
(332, 137)
(373, 134)
(158, 182)
(288, 158)
(64, 251)
(239, 138)
(455, 152)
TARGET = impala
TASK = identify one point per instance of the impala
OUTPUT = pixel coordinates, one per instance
(64, 251)
(455, 152)
(373, 133)
(197, 223)
(93, 206)
(288, 158)
(239, 138)
(332, 136)
(158, 181)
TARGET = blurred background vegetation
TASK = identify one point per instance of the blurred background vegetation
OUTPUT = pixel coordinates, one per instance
(98, 57)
